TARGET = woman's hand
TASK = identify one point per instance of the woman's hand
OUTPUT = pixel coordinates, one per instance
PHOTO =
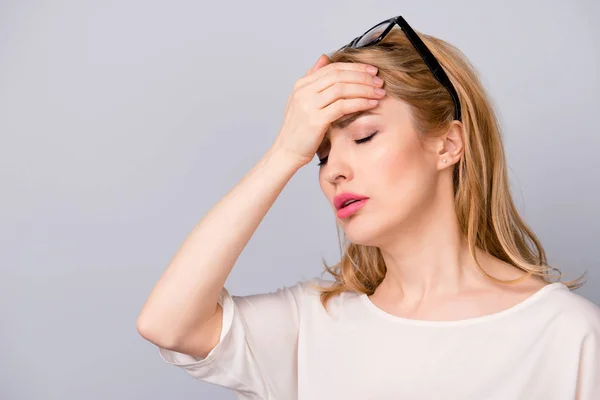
(327, 92)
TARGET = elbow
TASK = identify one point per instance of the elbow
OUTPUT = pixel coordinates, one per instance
(154, 333)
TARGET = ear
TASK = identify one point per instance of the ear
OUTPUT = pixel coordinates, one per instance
(451, 145)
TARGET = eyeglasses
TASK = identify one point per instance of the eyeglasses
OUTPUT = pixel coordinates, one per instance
(379, 31)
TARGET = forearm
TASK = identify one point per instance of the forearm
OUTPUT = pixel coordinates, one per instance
(187, 292)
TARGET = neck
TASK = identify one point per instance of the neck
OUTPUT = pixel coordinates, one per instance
(429, 256)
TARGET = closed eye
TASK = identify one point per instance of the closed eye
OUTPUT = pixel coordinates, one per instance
(367, 138)
(323, 160)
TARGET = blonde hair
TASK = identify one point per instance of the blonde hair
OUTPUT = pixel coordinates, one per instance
(484, 206)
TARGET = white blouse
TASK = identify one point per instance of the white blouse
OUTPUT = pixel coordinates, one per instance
(284, 345)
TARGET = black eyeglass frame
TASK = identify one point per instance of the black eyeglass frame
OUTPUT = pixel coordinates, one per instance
(429, 59)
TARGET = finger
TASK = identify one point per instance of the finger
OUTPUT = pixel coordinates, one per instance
(347, 91)
(338, 66)
(342, 107)
(344, 76)
(322, 61)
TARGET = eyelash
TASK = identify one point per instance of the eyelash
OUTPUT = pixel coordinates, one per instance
(323, 160)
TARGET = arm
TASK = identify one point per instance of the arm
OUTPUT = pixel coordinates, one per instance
(185, 297)
(182, 312)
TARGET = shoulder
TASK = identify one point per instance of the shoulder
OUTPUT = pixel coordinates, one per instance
(314, 285)
(580, 313)
(298, 293)
(308, 293)
(310, 289)
(301, 291)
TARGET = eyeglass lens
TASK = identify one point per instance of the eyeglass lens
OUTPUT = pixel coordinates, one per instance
(373, 34)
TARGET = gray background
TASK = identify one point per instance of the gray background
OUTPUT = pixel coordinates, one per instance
(124, 122)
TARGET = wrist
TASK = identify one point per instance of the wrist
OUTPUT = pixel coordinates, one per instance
(285, 159)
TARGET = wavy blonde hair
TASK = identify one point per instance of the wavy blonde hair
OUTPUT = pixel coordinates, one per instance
(484, 206)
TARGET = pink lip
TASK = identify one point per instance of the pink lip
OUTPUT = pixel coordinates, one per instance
(339, 200)
(351, 209)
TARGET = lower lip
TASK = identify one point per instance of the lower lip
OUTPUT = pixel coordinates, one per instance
(351, 209)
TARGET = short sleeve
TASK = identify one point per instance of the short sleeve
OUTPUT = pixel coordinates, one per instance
(257, 352)
(588, 379)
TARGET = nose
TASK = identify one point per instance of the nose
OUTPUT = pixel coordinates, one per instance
(335, 178)
(337, 167)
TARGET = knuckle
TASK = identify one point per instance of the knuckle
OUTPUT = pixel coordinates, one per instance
(294, 96)
(305, 107)
(301, 92)
(338, 90)
(354, 105)
(338, 106)
(337, 74)
(299, 102)
(319, 122)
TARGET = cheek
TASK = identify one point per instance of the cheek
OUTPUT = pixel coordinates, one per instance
(397, 165)
(402, 175)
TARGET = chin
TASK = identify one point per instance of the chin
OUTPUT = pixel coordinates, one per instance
(375, 230)
(363, 229)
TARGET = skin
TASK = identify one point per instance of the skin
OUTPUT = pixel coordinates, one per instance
(410, 216)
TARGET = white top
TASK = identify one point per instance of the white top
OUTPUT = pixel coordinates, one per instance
(284, 345)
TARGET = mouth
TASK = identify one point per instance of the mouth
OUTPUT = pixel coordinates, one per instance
(346, 199)
(351, 207)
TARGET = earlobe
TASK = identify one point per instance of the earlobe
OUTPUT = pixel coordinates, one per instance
(451, 144)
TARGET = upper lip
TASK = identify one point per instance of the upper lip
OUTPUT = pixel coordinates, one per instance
(340, 199)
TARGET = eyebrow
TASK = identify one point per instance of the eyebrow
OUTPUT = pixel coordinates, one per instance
(345, 122)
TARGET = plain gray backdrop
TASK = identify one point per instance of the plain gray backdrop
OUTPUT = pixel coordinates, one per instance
(124, 122)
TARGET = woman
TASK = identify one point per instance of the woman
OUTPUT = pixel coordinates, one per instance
(442, 290)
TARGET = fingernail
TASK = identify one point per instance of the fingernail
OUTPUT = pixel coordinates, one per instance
(377, 80)
(372, 69)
